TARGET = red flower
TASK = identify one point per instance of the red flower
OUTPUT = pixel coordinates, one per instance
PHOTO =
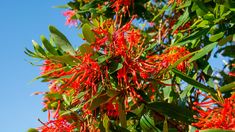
(118, 3)
(112, 109)
(57, 125)
(231, 74)
(213, 114)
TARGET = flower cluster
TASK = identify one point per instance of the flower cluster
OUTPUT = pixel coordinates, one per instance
(123, 46)
(57, 125)
(214, 114)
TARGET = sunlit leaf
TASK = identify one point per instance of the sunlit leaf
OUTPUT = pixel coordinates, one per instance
(60, 40)
(88, 33)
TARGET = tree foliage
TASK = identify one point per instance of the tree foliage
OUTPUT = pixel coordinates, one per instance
(144, 66)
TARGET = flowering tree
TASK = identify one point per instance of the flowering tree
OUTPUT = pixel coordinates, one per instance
(143, 66)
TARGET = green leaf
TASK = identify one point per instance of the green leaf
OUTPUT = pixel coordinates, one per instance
(80, 95)
(85, 49)
(122, 112)
(203, 24)
(38, 49)
(165, 125)
(88, 33)
(195, 35)
(181, 60)
(225, 40)
(30, 53)
(173, 111)
(167, 90)
(67, 59)
(160, 12)
(147, 124)
(115, 67)
(193, 82)
(32, 130)
(103, 58)
(106, 123)
(57, 96)
(186, 92)
(201, 8)
(228, 87)
(66, 6)
(48, 45)
(209, 16)
(182, 20)
(185, 4)
(203, 51)
(67, 99)
(192, 128)
(61, 41)
(101, 99)
(216, 37)
(138, 110)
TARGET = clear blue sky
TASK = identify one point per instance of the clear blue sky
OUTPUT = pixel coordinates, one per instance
(20, 22)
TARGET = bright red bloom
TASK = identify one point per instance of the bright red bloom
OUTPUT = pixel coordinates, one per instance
(57, 125)
(112, 109)
(231, 74)
(214, 114)
(49, 66)
(121, 3)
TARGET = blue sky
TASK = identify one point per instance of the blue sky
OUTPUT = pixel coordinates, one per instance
(20, 22)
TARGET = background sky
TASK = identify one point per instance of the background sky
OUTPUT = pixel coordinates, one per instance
(20, 22)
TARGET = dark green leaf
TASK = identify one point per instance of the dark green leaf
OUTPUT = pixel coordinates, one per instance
(85, 49)
(201, 8)
(173, 111)
(195, 35)
(138, 110)
(48, 45)
(193, 82)
(147, 124)
(115, 67)
(182, 20)
(99, 100)
(30, 53)
(122, 112)
(225, 40)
